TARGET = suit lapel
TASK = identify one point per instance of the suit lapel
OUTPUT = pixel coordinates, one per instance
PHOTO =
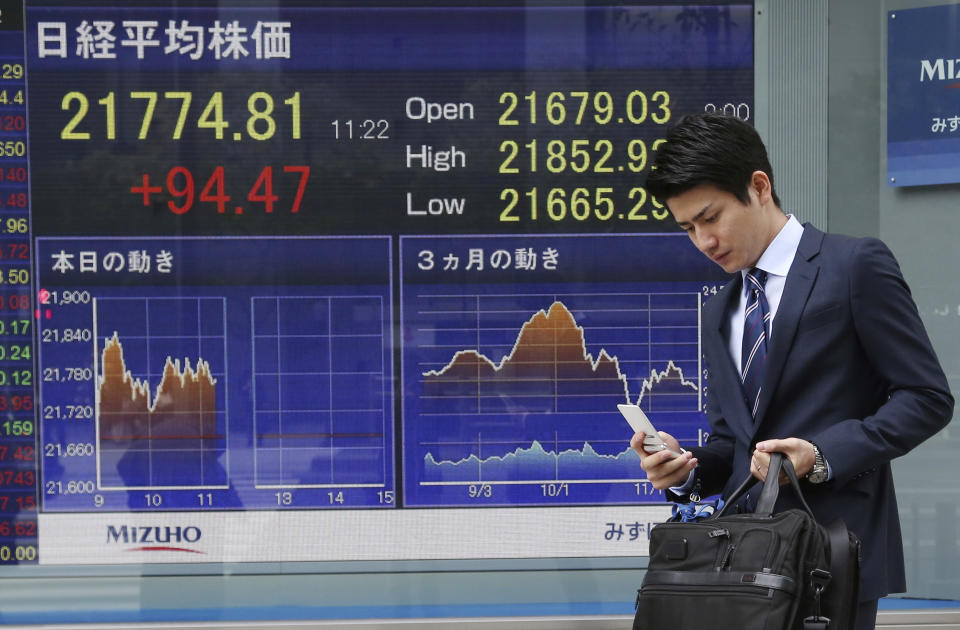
(724, 375)
(800, 280)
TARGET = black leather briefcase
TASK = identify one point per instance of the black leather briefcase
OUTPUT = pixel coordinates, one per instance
(760, 571)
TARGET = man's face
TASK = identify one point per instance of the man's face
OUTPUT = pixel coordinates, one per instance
(729, 232)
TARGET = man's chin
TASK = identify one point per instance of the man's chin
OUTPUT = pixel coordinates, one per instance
(727, 264)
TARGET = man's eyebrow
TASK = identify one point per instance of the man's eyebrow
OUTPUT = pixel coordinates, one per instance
(697, 216)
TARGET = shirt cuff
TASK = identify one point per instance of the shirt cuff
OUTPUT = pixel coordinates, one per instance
(686, 487)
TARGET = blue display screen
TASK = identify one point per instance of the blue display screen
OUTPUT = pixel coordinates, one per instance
(333, 266)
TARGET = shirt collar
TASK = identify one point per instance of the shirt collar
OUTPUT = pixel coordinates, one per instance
(778, 256)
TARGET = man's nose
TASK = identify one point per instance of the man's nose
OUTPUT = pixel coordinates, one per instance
(704, 239)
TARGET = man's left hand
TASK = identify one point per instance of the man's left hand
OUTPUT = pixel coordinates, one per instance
(799, 452)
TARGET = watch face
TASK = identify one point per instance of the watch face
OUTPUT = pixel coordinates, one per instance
(817, 475)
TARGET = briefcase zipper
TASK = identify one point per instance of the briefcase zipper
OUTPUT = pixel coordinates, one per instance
(736, 581)
(752, 591)
(725, 559)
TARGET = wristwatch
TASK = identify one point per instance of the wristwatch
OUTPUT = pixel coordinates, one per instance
(817, 474)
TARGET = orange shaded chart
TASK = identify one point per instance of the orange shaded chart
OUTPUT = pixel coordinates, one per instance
(550, 363)
(168, 437)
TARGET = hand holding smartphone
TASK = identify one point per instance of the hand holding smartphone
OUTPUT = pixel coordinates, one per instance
(652, 442)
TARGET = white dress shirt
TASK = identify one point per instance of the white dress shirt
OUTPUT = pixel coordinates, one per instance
(776, 261)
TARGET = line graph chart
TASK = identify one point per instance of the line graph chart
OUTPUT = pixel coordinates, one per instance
(516, 390)
(161, 428)
(549, 357)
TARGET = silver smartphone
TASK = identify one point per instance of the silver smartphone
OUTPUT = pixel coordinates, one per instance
(638, 421)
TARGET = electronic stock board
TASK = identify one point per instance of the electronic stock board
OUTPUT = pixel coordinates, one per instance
(348, 281)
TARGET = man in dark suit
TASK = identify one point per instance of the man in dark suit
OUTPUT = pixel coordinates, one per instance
(814, 349)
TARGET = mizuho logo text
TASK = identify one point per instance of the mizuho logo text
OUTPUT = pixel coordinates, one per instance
(939, 70)
(155, 538)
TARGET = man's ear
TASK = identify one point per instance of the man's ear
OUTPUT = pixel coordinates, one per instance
(761, 187)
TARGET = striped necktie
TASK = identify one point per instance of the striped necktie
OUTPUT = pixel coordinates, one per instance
(756, 325)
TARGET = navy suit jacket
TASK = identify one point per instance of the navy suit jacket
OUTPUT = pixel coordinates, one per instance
(850, 368)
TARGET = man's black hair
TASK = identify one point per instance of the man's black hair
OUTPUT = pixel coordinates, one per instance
(713, 149)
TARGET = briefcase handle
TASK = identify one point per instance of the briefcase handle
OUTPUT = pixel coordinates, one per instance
(771, 487)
